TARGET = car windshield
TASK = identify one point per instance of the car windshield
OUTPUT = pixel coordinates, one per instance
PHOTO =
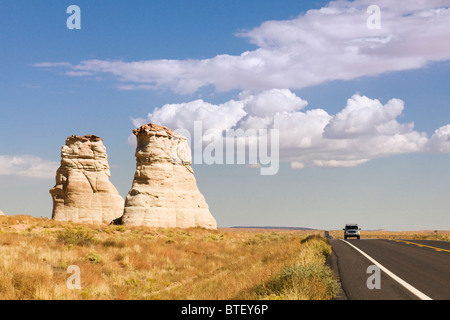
(351, 227)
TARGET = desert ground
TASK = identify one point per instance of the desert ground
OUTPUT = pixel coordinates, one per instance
(118, 262)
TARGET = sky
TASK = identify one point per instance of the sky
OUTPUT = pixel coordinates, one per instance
(358, 92)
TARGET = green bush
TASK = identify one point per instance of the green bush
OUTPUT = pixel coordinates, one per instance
(77, 236)
(120, 229)
(94, 257)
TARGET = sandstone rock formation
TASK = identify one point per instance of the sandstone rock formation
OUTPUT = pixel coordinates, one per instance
(1, 213)
(83, 192)
(164, 191)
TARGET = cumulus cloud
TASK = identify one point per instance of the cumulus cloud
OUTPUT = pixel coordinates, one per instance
(440, 140)
(364, 116)
(364, 129)
(267, 103)
(182, 115)
(27, 166)
(331, 43)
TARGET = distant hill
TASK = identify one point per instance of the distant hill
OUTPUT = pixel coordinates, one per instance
(272, 227)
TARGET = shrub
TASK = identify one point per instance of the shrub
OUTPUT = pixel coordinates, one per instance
(94, 257)
(113, 243)
(307, 278)
(120, 229)
(77, 236)
(319, 243)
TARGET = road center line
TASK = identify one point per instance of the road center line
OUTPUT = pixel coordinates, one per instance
(422, 245)
(409, 287)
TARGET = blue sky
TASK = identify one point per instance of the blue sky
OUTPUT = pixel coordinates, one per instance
(384, 164)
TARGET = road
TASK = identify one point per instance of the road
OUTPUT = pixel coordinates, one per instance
(423, 268)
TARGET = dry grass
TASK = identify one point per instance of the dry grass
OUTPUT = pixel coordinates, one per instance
(307, 277)
(119, 262)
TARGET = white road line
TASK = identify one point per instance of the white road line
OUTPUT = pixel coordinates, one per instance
(409, 287)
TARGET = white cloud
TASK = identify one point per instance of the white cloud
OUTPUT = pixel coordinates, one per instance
(52, 64)
(297, 165)
(364, 116)
(27, 166)
(440, 140)
(339, 163)
(364, 129)
(182, 115)
(269, 102)
(332, 43)
(78, 73)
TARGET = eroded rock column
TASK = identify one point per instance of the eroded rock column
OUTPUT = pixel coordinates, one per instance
(164, 191)
(83, 192)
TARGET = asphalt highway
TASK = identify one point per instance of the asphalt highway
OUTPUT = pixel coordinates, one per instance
(409, 269)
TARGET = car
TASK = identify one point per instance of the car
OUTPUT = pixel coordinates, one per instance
(351, 230)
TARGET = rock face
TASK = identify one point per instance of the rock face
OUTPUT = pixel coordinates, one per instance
(83, 192)
(164, 191)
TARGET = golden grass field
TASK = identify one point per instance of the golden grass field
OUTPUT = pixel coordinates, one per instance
(119, 262)
(136, 263)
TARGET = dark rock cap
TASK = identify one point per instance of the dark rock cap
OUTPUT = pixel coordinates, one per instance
(88, 137)
(151, 127)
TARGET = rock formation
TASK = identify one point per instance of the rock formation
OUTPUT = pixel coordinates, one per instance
(164, 191)
(83, 192)
(1, 213)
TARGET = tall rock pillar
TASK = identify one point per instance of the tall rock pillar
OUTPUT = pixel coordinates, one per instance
(83, 192)
(164, 191)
